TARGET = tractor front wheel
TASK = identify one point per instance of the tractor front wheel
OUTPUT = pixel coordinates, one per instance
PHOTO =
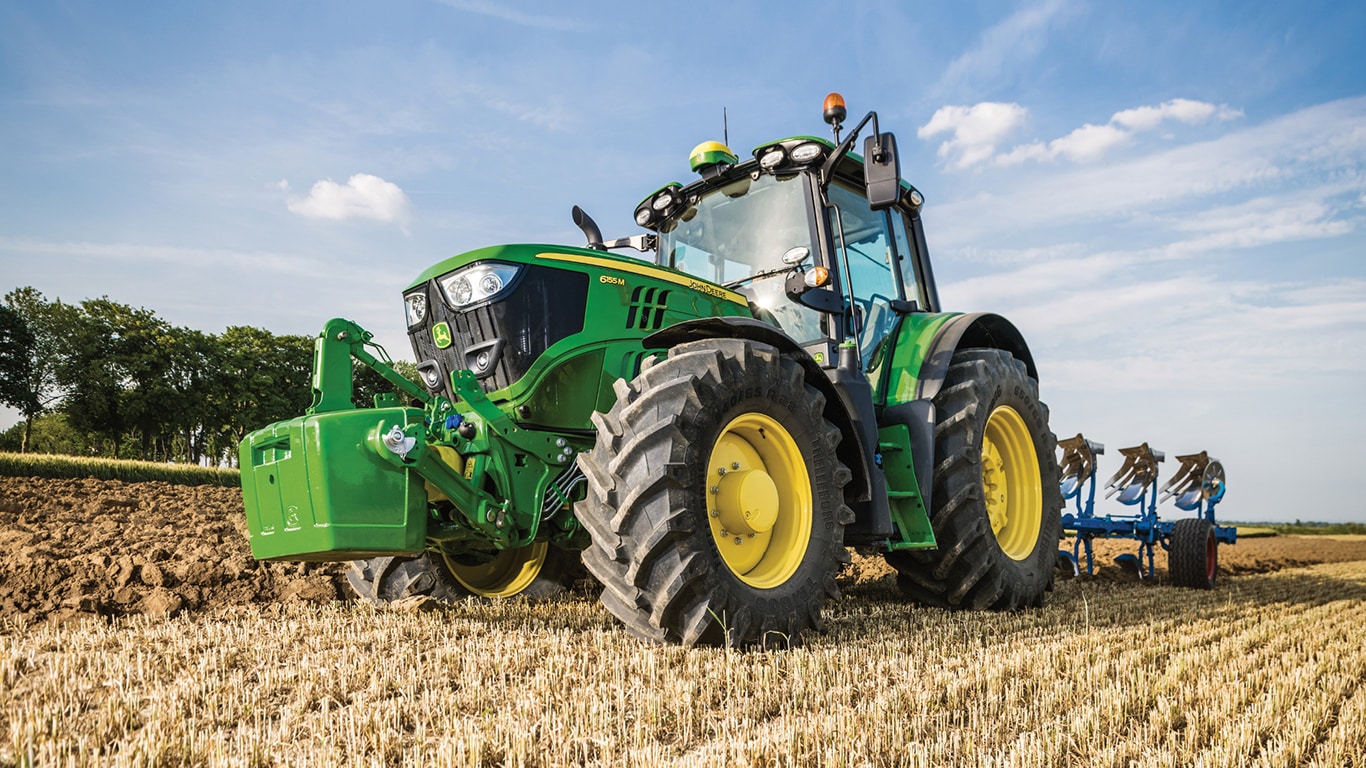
(715, 499)
(537, 572)
(996, 507)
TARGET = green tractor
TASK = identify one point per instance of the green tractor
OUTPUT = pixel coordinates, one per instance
(708, 431)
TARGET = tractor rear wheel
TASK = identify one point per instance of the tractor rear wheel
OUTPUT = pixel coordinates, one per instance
(1193, 559)
(996, 507)
(537, 572)
(715, 499)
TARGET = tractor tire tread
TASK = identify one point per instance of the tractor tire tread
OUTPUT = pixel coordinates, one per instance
(655, 557)
(969, 570)
(1188, 558)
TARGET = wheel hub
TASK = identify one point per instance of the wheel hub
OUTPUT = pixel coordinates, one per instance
(747, 501)
(994, 487)
(1011, 486)
(759, 500)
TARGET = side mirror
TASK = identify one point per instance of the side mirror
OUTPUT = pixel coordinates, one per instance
(903, 307)
(881, 171)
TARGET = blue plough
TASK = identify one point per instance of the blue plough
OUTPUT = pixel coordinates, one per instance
(1191, 543)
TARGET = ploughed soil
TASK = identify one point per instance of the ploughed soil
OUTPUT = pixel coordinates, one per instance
(70, 548)
(75, 547)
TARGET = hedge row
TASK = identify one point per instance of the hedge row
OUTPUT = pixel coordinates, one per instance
(54, 466)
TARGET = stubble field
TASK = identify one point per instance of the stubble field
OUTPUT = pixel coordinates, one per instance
(136, 630)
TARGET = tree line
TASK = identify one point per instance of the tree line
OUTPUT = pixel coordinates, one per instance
(100, 378)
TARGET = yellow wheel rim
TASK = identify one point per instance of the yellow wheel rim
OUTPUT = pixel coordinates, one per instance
(759, 500)
(506, 575)
(1011, 484)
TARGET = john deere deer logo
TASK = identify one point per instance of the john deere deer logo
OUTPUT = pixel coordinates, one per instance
(441, 334)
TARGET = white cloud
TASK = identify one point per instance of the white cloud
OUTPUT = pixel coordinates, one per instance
(363, 196)
(1088, 142)
(1261, 221)
(1314, 154)
(1181, 110)
(977, 130)
(1096, 317)
(1024, 152)
(980, 128)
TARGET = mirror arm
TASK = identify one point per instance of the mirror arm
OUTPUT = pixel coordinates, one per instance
(828, 167)
(642, 243)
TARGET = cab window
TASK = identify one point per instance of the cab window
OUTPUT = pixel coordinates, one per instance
(748, 235)
(864, 243)
(910, 286)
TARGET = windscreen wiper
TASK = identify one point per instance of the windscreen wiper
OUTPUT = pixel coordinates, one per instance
(760, 276)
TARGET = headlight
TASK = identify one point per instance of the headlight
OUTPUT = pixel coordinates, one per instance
(477, 283)
(805, 153)
(772, 158)
(415, 305)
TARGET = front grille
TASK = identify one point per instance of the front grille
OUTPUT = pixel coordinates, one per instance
(544, 306)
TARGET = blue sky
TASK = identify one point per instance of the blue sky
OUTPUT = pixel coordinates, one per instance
(1168, 198)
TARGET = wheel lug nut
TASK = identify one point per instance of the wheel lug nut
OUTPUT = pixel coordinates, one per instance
(739, 540)
(735, 465)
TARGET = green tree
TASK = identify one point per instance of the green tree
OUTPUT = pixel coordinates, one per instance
(16, 361)
(366, 383)
(109, 362)
(195, 373)
(49, 433)
(260, 378)
(49, 322)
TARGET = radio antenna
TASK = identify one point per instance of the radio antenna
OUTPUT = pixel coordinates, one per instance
(725, 128)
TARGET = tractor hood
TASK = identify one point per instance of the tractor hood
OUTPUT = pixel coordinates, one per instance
(530, 321)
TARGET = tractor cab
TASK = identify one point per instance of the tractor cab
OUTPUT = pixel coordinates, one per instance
(825, 244)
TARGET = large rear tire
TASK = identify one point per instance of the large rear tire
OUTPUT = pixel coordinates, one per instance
(535, 572)
(996, 505)
(715, 499)
(1193, 559)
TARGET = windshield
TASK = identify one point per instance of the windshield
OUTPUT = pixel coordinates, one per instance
(749, 234)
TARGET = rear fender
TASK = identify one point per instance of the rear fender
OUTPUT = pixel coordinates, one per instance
(924, 347)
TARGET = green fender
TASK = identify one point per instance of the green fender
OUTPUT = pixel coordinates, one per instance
(923, 345)
(911, 369)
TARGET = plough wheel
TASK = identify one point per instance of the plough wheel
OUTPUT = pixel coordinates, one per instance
(536, 572)
(996, 505)
(715, 499)
(1193, 559)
